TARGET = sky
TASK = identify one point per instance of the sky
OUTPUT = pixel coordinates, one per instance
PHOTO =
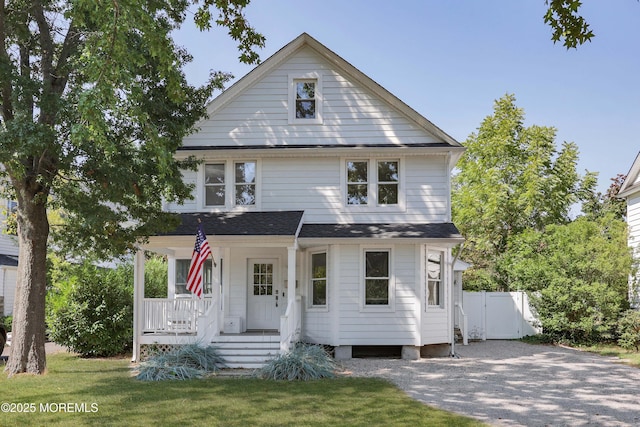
(450, 60)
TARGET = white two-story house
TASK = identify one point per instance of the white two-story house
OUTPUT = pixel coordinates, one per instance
(630, 191)
(326, 201)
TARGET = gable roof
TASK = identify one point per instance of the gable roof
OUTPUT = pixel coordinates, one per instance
(305, 40)
(631, 183)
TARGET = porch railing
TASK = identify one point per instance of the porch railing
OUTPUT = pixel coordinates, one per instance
(208, 323)
(291, 324)
(462, 323)
(179, 315)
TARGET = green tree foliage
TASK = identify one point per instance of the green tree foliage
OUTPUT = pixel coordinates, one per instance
(629, 330)
(576, 276)
(90, 309)
(598, 205)
(566, 22)
(155, 277)
(93, 105)
(511, 178)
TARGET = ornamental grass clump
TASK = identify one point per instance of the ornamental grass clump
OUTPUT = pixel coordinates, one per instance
(304, 362)
(183, 363)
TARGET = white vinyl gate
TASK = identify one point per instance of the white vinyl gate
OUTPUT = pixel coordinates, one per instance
(498, 315)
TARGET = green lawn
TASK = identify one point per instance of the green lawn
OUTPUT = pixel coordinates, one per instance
(106, 394)
(630, 357)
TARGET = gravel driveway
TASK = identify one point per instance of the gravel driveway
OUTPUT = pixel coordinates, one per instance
(510, 383)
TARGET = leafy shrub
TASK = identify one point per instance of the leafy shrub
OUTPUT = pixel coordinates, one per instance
(304, 362)
(155, 278)
(629, 330)
(90, 309)
(7, 321)
(575, 275)
(182, 363)
(579, 312)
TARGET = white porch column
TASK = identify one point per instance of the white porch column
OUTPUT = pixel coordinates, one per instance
(291, 274)
(138, 302)
(294, 315)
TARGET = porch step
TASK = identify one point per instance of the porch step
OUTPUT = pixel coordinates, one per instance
(248, 351)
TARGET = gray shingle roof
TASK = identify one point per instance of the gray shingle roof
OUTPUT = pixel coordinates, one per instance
(9, 260)
(283, 223)
(381, 231)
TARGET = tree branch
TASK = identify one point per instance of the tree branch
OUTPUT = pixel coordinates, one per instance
(6, 90)
(69, 48)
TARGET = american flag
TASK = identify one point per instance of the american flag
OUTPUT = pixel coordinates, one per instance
(200, 253)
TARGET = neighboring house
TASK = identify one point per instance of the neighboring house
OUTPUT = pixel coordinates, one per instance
(326, 201)
(8, 261)
(630, 190)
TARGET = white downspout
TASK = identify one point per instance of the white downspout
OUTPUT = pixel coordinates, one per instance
(452, 304)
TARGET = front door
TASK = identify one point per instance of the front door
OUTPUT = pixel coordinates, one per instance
(264, 302)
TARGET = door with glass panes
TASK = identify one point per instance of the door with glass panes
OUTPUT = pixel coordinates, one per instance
(265, 300)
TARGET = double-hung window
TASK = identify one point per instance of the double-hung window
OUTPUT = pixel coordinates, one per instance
(357, 182)
(230, 184)
(388, 182)
(435, 276)
(214, 184)
(245, 183)
(372, 183)
(182, 272)
(305, 98)
(319, 279)
(377, 278)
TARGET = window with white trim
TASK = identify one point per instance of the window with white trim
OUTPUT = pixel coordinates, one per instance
(435, 276)
(318, 279)
(357, 182)
(377, 278)
(305, 98)
(388, 182)
(245, 183)
(372, 183)
(182, 272)
(214, 184)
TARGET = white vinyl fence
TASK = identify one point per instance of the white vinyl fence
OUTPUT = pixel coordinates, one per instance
(498, 315)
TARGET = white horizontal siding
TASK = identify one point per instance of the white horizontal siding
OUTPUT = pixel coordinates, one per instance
(8, 244)
(312, 184)
(351, 114)
(435, 328)
(633, 219)
(309, 184)
(189, 205)
(316, 327)
(8, 288)
(361, 327)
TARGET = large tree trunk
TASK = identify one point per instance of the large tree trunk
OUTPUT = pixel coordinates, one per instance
(27, 353)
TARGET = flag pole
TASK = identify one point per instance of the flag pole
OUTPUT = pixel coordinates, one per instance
(212, 258)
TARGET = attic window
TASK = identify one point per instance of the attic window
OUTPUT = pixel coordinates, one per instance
(305, 99)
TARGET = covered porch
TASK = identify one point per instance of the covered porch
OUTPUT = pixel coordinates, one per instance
(250, 297)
